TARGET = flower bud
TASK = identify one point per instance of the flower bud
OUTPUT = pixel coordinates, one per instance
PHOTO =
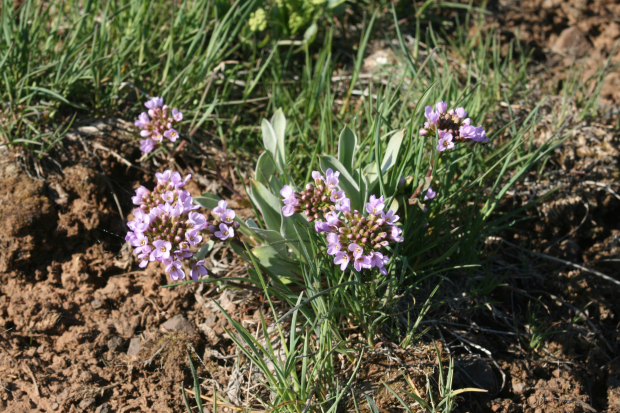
(344, 230)
(380, 221)
(309, 187)
(177, 239)
(375, 228)
(364, 240)
(323, 198)
(350, 236)
(235, 225)
(358, 236)
(321, 187)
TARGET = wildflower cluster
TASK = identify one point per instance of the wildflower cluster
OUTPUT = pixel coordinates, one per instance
(158, 123)
(165, 226)
(318, 199)
(223, 225)
(353, 237)
(451, 126)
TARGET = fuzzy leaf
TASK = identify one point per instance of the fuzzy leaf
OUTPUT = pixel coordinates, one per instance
(270, 141)
(268, 204)
(278, 123)
(269, 258)
(274, 239)
(391, 153)
(371, 173)
(264, 168)
(347, 144)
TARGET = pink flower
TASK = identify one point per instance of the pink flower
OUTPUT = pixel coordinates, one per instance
(140, 193)
(197, 220)
(155, 103)
(461, 113)
(336, 195)
(441, 107)
(344, 205)
(225, 232)
(342, 259)
(163, 177)
(445, 141)
(162, 249)
(228, 216)
(193, 237)
(171, 134)
(288, 210)
(220, 208)
(395, 234)
(175, 268)
(430, 194)
(331, 178)
(375, 205)
(198, 269)
(143, 120)
(316, 175)
(389, 217)
(363, 261)
(147, 145)
(430, 115)
(176, 115)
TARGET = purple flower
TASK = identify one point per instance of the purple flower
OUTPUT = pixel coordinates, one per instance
(197, 220)
(157, 137)
(332, 218)
(334, 248)
(168, 196)
(155, 103)
(430, 115)
(441, 107)
(141, 221)
(175, 268)
(356, 250)
(316, 175)
(177, 182)
(143, 120)
(198, 269)
(193, 237)
(288, 194)
(336, 195)
(225, 232)
(332, 238)
(141, 242)
(342, 259)
(162, 249)
(147, 145)
(171, 134)
(322, 227)
(163, 177)
(445, 141)
(140, 193)
(288, 210)
(220, 208)
(375, 205)
(331, 178)
(176, 115)
(430, 194)
(227, 216)
(480, 135)
(395, 234)
(344, 206)
(363, 261)
(389, 217)
(461, 113)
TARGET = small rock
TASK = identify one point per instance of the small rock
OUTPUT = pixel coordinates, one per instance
(96, 304)
(178, 323)
(210, 321)
(114, 343)
(134, 347)
(518, 387)
(89, 130)
(572, 42)
(86, 376)
(104, 408)
(85, 403)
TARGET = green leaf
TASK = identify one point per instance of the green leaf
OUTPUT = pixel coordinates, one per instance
(391, 153)
(350, 186)
(278, 123)
(310, 34)
(270, 141)
(204, 250)
(347, 143)
(371, 173)
(264, 168)
(274, 239)
(269, 258)
(251, 223)
(207, 200)
(268, 204)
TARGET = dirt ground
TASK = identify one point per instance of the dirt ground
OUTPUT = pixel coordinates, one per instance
(83, 329)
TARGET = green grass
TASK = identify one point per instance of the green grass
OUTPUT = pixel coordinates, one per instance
(101, 58)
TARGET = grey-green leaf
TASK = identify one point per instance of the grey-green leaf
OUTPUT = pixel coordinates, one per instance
(391, 153)
(269, 137)
(264, 168)
(278, 123)
(350, 186)
(347, 144)
(268, 204)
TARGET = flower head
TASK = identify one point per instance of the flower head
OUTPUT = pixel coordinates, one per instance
(225, 232)
(198, 269)
(430, 194)
(342, 259)
(147, 145)
(157, 123)
(445, 141)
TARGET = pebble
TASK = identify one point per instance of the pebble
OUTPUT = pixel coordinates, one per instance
(114, 343)
(85, 403)
(178, 323)
(96, 304)
(104, 408)
(134, 347)
(86, 376)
